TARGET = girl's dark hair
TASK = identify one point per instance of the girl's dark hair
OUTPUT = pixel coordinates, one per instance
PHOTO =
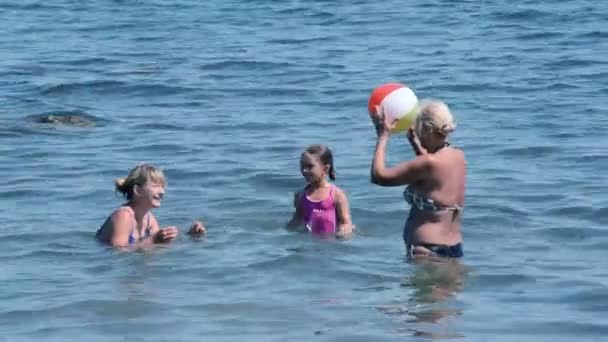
(325, 156)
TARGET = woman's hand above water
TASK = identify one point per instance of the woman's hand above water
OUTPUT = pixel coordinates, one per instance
(383, 124)
(415, 142)
(198, 229)
(166, 235)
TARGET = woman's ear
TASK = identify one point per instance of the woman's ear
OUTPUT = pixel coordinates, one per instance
(327, 168)
(136, 189)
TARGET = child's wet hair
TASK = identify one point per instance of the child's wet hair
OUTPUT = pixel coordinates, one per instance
(325, 156)
(139, 175)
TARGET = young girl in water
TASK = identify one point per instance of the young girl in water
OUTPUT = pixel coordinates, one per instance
(321, 206)
(133, 224)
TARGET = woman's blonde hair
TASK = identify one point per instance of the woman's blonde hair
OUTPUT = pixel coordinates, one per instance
(434, 115)
(139, 175)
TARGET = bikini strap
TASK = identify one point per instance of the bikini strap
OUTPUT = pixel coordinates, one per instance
(148, 228)
(134, 225)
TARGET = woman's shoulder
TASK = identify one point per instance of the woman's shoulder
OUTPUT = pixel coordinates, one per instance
(451, 153)
(119, 215)
(460, 155)
(122, 213)
(456, 150)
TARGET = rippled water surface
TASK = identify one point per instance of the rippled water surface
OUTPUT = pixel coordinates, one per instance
(224, 95)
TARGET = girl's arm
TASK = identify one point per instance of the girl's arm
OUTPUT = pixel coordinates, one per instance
(345, 224)
(296, 218)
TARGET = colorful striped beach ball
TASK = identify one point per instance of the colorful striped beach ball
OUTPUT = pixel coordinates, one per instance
(398, 102)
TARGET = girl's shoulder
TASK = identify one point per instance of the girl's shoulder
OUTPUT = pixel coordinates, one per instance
(305, 190)
(299, 196)
(335, 187)
(338, 193)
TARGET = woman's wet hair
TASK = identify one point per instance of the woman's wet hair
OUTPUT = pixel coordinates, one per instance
(325, 156)
(436, 116)
(139, 175)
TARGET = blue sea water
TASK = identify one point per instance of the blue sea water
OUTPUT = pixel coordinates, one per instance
(224, 96)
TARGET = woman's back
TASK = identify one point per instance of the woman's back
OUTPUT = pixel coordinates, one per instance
(446, 182)
(437, 201)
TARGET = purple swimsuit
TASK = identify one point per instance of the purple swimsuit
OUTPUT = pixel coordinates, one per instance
(319, 216)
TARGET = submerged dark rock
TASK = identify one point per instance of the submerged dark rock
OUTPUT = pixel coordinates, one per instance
(69, 118)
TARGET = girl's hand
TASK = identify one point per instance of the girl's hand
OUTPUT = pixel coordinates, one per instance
(415, 142)
(166, 235)
(383, 124)
(345, 231)
(198, 228)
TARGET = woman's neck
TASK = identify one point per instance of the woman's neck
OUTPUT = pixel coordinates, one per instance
(139, 210)
(437, 147)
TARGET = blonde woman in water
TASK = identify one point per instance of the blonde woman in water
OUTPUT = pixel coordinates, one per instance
(133, 224)
(435, 179)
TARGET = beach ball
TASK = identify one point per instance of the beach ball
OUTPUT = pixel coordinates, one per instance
(398, 101)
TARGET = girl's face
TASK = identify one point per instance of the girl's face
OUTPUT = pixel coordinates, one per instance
(149, 194)
(312, 169)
